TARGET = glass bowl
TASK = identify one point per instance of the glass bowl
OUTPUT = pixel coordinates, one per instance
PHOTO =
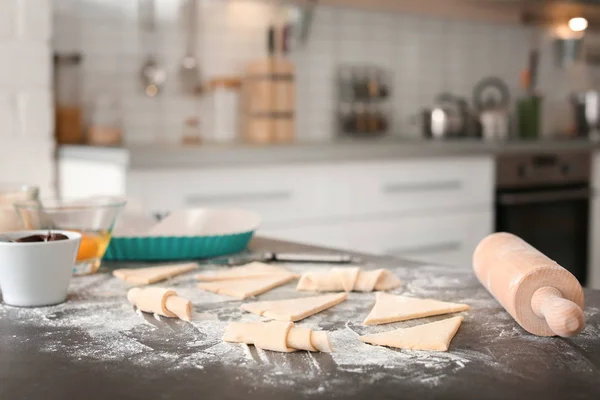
(10, 194)
(94, 218)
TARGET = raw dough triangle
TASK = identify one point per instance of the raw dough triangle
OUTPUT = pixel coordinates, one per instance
(252, 270)
(248, 287)
(145, 276)
(390, 308)
(433, 336)
(294, 309)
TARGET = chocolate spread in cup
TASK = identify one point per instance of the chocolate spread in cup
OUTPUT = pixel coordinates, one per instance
(50, 237)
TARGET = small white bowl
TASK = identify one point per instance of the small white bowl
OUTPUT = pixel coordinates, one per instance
(36, 274)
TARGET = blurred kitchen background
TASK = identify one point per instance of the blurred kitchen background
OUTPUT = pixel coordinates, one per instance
(420, 57)
(409, 128)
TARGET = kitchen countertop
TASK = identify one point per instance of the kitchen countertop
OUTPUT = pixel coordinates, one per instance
(96, 347)
(177, 156)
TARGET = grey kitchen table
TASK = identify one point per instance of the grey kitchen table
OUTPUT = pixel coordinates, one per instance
(95, 346)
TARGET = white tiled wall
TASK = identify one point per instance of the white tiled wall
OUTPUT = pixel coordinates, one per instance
(26, 116)
(427, 56)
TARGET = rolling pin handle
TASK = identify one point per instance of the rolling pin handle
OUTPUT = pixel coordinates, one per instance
(564, 317)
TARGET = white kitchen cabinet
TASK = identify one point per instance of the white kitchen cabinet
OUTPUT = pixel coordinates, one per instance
(92, 179)
(430, 209)
(92, 172)
(433, 209)
(435, 237)
(285, 194)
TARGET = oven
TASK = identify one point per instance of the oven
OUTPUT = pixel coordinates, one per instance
(544, 198)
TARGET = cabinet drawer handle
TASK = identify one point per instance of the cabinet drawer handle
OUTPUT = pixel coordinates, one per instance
(427, 248)
(516, 199)
(394, 188)
(237, 197)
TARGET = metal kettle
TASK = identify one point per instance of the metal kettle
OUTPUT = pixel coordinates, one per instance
(491, 97)
(448, 118)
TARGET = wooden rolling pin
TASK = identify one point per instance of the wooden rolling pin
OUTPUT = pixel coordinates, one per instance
(543, 297)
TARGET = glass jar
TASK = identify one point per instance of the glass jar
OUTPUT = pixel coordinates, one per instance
(10, 194)
(67, 91)
(225, 109)
(105, 122)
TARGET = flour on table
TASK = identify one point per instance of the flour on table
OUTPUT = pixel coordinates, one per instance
(98, 311)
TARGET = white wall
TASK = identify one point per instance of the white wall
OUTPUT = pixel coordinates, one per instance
(26, 116)
(427, 56)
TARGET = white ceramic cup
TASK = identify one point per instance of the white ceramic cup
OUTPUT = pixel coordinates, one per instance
(36, 273)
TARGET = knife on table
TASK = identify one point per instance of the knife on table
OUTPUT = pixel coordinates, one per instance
(288, 257)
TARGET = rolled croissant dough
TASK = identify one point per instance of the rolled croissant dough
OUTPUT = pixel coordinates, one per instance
(391, 308)
(434, 336)
(348, 279)
(160, 301)
(277, 336)
(252, 270)
(294, 309)
(244, 288)
(146, 276)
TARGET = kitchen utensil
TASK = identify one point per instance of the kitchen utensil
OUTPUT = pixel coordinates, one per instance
(188, 234)
(93, 217)
(34, 274)
(494, 124)
(447, 119)
(288, 257)
(105, 122)
(568, 50)
(189, 70)
(491, 93)
(269, 95)
(152, 75)
(363, 109)
(528, 116)
(306, 20)
(586, 112)
(10, 194)
(271, 39)
(544, 298)
(224, 99)
(491, 98)
(286, 36)
(534, 61)
(529, 103)
(204, 221)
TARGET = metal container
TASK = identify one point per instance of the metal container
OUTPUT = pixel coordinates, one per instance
(567, 51)
(586, 112)
(364, 108)
(491, 98)
(448, 118)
